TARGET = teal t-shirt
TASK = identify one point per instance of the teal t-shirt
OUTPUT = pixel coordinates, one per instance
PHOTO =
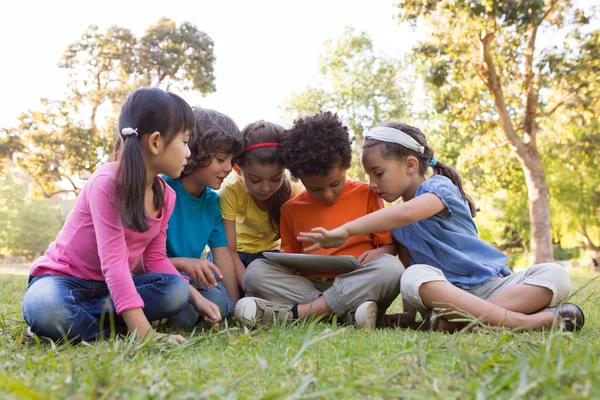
(195, 222)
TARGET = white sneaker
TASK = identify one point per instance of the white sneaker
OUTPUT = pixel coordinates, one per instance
(365, 316)
(250, 311)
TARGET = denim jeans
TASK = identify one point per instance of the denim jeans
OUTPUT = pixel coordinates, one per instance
(189, 317)
(58, 306)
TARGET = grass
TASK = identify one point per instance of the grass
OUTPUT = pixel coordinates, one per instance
(305, 360)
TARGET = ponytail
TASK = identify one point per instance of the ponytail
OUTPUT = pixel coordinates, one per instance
(450, 173)
(130, 185)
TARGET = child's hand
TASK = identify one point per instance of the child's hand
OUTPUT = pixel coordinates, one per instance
(324, 239)
(173, 339)
(209, 310)
(371, 254)
(201, 272)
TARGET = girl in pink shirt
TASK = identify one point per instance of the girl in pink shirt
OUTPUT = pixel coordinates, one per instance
(84, 284)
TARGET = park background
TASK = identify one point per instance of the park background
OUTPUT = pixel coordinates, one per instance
(506, 91)
(66, 76)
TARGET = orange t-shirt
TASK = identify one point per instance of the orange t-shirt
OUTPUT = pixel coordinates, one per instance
(304, 212)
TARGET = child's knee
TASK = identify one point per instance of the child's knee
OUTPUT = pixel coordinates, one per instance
(47, 311)
(411, 282)
(177, 293)
(254, 275)
(389, 269)
(556, 278)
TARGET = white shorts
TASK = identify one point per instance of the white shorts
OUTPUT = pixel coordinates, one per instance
(549, 275)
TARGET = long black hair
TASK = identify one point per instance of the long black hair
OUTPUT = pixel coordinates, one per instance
(147, 110)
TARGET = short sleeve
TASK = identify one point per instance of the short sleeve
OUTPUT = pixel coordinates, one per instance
(228, 201)
(445, 190)
(374, 204)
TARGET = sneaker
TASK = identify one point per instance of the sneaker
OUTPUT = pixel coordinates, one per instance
(250, 311)
(569, 315)
(431, 321)
(365, 316)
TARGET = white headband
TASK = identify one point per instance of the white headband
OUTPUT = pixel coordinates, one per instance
(391, 135)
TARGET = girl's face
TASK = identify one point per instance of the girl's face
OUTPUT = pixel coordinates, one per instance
(262, 180)
(387, 176)
(215, 173)
(174, 157)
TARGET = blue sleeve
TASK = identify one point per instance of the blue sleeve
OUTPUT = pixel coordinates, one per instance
(445, 190)
(217, 238)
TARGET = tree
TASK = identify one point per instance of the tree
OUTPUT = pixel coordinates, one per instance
(485, 58)
(61, 144)
(28, 224)
(362, 86)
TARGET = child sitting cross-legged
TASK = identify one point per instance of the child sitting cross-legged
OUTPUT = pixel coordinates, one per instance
(317, 150)
(196, 220)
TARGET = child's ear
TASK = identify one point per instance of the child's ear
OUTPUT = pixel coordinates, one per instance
(412, 165)
(155, 143)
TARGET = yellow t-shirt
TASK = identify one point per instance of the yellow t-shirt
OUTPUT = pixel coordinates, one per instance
(252, 225)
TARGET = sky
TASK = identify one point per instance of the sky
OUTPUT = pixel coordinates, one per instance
(265, 50)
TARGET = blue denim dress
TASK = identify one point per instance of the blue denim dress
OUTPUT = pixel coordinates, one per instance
(451, 243)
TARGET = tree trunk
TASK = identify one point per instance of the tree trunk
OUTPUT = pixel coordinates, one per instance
(539, 208)
(528, 156)
(358, 142)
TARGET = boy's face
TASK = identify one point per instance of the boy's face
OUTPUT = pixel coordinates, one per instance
(215, 173)
(326, 189)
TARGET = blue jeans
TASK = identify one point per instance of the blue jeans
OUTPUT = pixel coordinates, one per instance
(57, 306)
(189, 317)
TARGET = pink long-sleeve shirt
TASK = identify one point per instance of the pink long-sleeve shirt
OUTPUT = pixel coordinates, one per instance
(94, 245)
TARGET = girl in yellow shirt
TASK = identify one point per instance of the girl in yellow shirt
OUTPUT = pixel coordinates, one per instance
(251, 199)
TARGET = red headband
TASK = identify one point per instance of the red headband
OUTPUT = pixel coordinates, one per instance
(259, 145)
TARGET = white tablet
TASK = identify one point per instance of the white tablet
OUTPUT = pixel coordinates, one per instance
(315, 263)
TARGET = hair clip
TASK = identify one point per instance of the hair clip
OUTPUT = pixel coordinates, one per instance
(129, 131)
(433, 162)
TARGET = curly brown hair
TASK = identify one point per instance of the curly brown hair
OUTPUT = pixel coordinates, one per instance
(213, 133)
(316, 144)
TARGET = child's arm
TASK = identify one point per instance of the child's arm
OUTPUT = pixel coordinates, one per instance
(206, 308)
(223, 258)
(395, 216)
(231, 234)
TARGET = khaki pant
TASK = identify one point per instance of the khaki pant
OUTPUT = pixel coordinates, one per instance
(378, 281)
(549, 275)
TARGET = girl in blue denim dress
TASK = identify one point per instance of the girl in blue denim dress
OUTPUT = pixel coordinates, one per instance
(452, 271)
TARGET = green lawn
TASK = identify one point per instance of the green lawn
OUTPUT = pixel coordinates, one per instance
(305, 360)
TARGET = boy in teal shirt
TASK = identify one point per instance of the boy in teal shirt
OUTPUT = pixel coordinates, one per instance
(196, 220)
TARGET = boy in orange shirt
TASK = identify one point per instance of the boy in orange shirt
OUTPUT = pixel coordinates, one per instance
(317, 150)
